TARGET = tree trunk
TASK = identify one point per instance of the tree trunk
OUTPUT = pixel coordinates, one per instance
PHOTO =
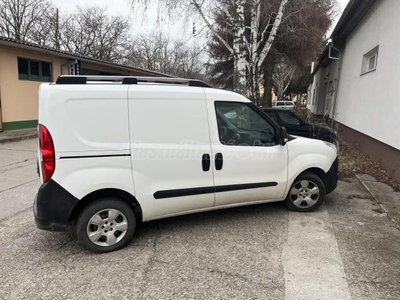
(239, 51)
(252, 47)
(266, 100)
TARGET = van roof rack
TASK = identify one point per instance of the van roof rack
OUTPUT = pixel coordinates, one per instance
(77, 79)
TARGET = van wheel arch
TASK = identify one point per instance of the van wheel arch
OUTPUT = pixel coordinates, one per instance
(317, 171)
(120, 194)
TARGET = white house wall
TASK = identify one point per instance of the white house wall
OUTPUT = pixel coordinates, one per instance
(330, 80)
(319, 108)
(311, 91)
(314, 101)
(370, 103)
(325, 86)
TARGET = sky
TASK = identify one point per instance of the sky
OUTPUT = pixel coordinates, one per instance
(342, 4)
(146, 23)
(142, 22)
(113, 6)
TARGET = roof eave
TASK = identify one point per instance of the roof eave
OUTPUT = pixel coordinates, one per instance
(353, 14)
(25, 46)
(351, 17)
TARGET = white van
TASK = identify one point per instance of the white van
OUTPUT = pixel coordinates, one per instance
(115, 151)
(286, 104)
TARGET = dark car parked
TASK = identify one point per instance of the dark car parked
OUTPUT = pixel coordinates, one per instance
(296, 126)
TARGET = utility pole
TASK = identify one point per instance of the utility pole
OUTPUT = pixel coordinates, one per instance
(57, 38)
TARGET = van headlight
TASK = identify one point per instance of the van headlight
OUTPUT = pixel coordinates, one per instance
(331, 145)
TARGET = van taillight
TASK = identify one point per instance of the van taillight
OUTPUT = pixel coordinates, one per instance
(46, 145)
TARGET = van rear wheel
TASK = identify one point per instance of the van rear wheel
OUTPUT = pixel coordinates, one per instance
(306, 193)
(106, 225)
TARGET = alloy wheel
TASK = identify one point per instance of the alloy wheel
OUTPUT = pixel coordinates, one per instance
(304, 194)
(107, 227)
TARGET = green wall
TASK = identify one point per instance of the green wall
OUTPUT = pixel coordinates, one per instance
(19, 125)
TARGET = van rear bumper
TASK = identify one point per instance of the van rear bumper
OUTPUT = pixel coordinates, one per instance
(53, 206)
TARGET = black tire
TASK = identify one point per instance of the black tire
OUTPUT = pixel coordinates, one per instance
(301, 201)
(110, 238)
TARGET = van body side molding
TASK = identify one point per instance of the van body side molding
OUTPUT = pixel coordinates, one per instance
(211, 189)
(94, 156)
(245, 186)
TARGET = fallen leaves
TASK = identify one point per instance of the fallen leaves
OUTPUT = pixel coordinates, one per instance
(351, 162)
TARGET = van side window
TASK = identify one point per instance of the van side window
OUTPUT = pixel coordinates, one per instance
(240, 125)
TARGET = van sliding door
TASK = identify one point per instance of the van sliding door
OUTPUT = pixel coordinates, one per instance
(170, 144)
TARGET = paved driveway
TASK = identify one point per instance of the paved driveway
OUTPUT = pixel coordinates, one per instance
(348, 249)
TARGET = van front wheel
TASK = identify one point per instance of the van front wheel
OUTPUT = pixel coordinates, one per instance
(106, 225)
(306, 193)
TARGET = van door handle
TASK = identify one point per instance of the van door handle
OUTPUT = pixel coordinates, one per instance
(219, 160)
(205, 161)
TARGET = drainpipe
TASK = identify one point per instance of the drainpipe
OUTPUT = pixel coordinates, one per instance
(339, 72)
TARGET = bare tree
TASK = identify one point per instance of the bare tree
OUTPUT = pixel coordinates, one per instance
(256, 26)
(45, 31)
(282, 76)
(191, 62)
(298, 37)
(23, 19)
(91, 32)
(158, 52)
(253, 37)
(88, 31)
(151, 52)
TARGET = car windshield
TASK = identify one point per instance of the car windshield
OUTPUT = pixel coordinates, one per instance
(270, 114)
(289, 118)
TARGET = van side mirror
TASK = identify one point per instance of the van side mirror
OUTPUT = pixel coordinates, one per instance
(283, 136)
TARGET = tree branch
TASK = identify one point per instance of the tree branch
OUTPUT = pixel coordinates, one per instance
(272, 35)
(213, 31)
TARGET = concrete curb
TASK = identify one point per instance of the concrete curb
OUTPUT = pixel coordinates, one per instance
(17, 138)
(376, 200)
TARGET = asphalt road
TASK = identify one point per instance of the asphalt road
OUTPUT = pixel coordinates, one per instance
(348, 249)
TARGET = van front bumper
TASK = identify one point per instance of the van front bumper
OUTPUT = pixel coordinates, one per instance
(332, 177)
(53, 206)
